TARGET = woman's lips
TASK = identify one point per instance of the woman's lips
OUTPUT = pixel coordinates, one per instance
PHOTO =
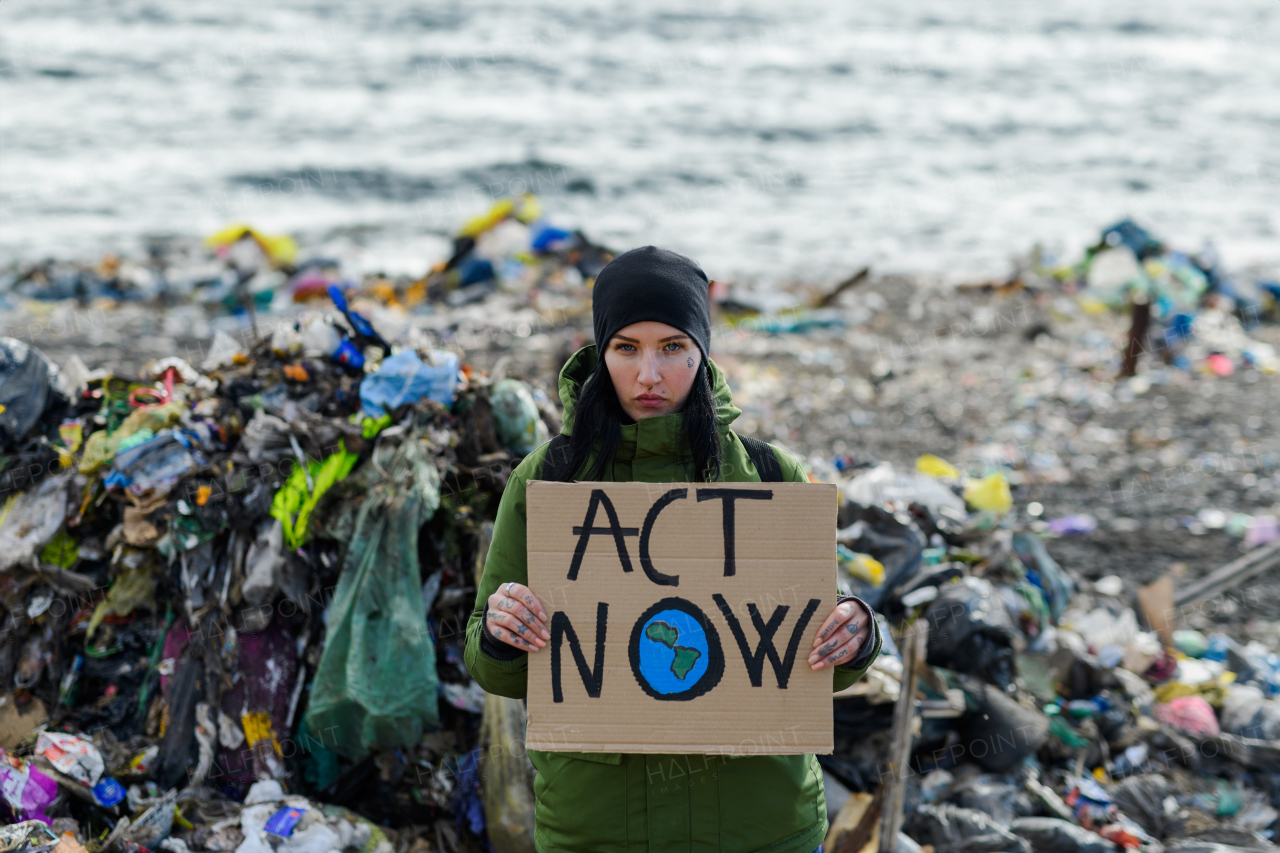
(650, 401)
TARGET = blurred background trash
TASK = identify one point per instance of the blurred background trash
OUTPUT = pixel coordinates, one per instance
(200, 544)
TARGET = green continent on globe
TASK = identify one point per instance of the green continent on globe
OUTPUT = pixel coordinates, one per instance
(684, 661)
(661, 632)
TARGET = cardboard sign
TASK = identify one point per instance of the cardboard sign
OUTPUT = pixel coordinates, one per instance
(682, 616)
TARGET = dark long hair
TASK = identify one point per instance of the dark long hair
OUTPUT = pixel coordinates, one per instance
(597, 425)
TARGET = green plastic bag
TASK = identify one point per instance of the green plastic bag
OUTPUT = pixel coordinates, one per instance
(295, 501)
(376, 683)
(515, 414)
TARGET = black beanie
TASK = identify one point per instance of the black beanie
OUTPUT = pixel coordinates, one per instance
(652, 284)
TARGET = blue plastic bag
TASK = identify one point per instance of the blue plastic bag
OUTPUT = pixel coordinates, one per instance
(405, 378)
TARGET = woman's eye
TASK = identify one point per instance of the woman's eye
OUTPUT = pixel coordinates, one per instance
(674, 347)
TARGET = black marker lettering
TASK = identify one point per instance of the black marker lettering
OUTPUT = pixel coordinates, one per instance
(755, 662)
(584, 533)
(591, 679)
(645, 563)
(729, 496)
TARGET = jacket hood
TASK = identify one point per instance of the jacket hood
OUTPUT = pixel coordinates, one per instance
(582, 363)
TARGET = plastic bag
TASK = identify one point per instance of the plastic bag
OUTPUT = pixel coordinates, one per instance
(299, 495)
(467, 799)
(1001, 732)
(376, 683)
(30, 519)
(990, 494)
(1051, 835)
(23, 835)
(1249, 713)
(949, 828)
(1189, 713)
(884, 485)
(1150, 801)
(27, 382)
(897, 547)
(1043, 571)
(71, 755)
(519, 426)
(27, 790)
(508, 788)
(970, 631)
(406, 378)
(991, 795)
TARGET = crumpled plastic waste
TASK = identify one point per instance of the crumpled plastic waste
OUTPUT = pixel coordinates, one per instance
(72, 755)
(28, 386)
(280, 249)
(376, 615)
(26, 789)
(949, 827)
(294, 503)
(30, 519)
(970, 631)
(519, 425)
(1189, 713)
(883, 485)
(990, 494)
(406, 378)
(935, 466)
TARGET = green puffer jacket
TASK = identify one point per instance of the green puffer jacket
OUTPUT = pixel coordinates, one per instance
(611, 803)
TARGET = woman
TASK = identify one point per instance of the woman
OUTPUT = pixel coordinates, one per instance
(654, 409)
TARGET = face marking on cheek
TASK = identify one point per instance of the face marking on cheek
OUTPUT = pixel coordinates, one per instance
(690, 362)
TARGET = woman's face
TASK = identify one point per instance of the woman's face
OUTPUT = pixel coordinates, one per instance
(653, 366)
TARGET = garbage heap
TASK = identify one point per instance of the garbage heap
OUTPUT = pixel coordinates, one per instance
(233, 593)
(513, 247)
(1051, 713)
(1187, 309)
(203, 659)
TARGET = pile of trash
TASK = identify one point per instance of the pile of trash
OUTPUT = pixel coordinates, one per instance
(240, 271)
(187, 540)
(1186, 309)
(1054, 713)
(235, 592)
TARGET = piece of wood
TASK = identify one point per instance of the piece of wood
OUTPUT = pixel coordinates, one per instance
(1156, 601)
(857, 824)
(852, 281)
(913, 649)
(1250, 565)
(1137, 338)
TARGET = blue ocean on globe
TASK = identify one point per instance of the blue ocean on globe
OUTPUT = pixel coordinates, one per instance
(673, 652)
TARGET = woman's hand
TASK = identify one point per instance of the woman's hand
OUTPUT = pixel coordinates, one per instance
(516, 617)
(841, 636)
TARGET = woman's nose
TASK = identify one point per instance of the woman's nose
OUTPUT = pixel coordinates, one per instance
(649, 374)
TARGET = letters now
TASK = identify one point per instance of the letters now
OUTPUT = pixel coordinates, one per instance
(593, 676)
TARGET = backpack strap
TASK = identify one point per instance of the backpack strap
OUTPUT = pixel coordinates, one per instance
(555, 463)
(764, 458)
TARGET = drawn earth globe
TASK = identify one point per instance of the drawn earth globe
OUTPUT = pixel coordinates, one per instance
(674, 652)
